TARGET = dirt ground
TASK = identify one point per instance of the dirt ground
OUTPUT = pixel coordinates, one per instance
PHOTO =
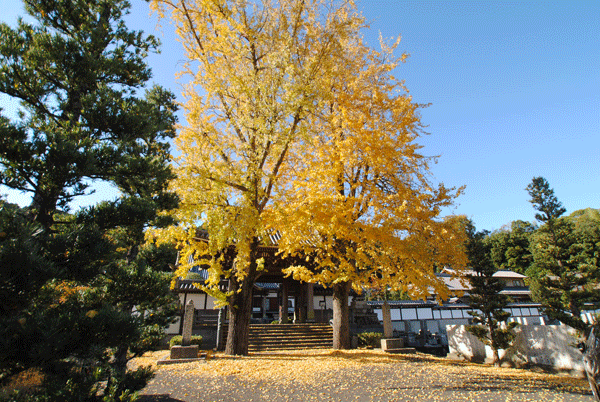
(356, 375)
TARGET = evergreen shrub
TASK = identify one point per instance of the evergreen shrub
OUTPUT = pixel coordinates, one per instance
(369, 339)
(195, 340)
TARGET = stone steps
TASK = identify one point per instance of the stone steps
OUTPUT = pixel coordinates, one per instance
(289, 336)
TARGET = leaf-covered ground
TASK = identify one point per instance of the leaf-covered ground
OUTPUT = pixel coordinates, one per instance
(356, 375)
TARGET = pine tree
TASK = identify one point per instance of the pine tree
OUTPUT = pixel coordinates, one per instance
(564, 276)
(485, 296)
(76, 74)
(90, 295)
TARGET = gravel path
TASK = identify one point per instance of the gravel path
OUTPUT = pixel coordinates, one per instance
(365, 376)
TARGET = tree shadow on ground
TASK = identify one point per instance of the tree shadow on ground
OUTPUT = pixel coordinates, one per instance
(522, 381)
(158, 398)
(507, 383)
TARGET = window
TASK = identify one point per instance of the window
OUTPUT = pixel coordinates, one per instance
(409, 314)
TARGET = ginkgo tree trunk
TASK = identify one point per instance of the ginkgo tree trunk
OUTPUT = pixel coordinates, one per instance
(357, 199)
(256, 72)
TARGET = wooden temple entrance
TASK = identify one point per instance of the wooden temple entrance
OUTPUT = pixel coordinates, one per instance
(280, 298)
(306, 302)
(302, 311)
(275, 296)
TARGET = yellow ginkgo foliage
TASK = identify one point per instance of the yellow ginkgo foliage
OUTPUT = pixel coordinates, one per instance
(258, 71)
(358, 199)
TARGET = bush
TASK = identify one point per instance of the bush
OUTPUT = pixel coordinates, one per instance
(124, 387)
(85, 386)
(176, 340)
(370, 339)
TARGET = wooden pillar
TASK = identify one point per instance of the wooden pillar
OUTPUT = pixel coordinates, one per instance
(323, 309)
(283, 306)
(310, 302)
(300, 303)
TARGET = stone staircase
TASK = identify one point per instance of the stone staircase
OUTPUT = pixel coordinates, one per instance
(289, 336)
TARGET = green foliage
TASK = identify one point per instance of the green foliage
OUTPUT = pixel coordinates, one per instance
(369, 339)
(24, 266)
(76, 74)
(504, 336)
(565, 275)
(195, 340)
(544, 200)
(478, 251)
(160, 257)
(79, 293)
(124, 388)
(485, 296)
(388, 294)
(83, 386)
(509, 247)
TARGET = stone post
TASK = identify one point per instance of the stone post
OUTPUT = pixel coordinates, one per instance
(388, 331)
(186, 351)
(188, 321)
(220, 324)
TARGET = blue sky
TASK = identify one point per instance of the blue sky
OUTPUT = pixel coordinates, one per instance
(514, 89)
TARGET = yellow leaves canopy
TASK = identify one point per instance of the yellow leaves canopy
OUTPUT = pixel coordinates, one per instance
(257, 71)
(293, 124)
(361, 191)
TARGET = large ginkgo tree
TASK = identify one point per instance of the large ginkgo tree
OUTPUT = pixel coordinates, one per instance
(293, 124)
(257, 70)
(358, 199)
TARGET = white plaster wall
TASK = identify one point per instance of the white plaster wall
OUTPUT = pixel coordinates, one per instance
(328, 302)
(551, 346)
(198, 299)
(173, 329)
(463, 345)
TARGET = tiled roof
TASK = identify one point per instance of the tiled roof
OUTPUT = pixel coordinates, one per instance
(516, 291)
(403, 303)
(200, 271)
(456, 284)
(187, 286)
(267, 286)
(497, 274)
(509, 274)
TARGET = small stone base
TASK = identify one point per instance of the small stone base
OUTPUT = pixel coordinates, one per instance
(184, 352)
(392, 343)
